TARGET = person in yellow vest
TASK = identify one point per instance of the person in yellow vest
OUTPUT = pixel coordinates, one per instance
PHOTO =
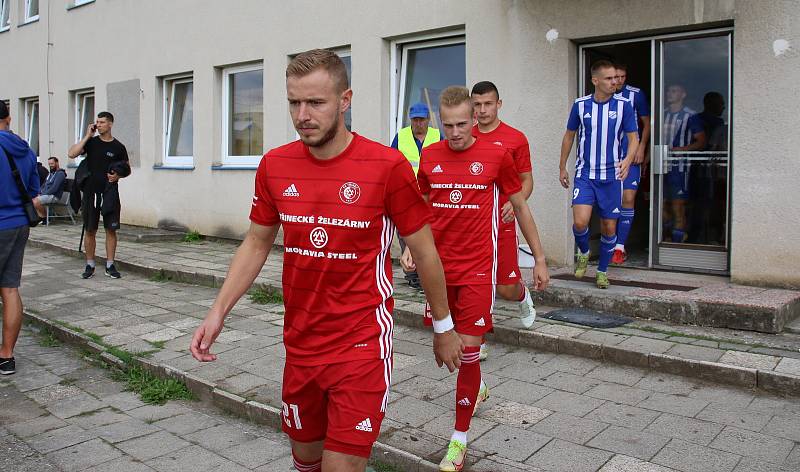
(411, 140)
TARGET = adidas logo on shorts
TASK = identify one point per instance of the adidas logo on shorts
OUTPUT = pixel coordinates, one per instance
(616, 210)
(437, 169)
(291, 191)
(513, 273)
(464, 402)
(365, 425)
(480, 322)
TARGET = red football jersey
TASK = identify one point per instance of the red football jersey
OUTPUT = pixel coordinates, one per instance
(338, 217)
(463, 189)
(516, 142)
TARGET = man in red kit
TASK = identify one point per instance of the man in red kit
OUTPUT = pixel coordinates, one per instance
(462, 179)
(339, 197)
(510, 286)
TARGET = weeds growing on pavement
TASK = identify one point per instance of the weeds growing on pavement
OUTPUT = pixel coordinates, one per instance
(160, 276)
(378, 466)
(265, 296)
(47, 338)
(193, 236)
(157, 344)
(152, 389)
(94, 337)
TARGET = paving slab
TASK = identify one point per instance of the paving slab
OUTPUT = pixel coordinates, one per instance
(684, 456)
(564, 455)
(112, 440)
(537, 397)
(630, 442)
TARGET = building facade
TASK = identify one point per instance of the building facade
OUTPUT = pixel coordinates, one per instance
(197, 89)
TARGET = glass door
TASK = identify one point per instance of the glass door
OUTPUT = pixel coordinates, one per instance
(691, 161)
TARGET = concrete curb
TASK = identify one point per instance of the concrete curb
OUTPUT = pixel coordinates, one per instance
(697, 312)
(771, 381)
(208, 392)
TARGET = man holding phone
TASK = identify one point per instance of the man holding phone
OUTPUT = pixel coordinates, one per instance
(102, 152)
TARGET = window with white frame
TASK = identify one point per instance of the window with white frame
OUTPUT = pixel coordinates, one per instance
(31, 10)
(5, 15)
(423, 68)
(83, 114)
(178, 121)
(31, 107)
(77, 3)
(243, 115)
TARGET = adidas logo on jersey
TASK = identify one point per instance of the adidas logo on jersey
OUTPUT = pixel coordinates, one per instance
(587, 115)
(464, 402)
(616, 210)
(437, 169)
(480, 322)
(513, 273)
(291, 191)
(365, 425)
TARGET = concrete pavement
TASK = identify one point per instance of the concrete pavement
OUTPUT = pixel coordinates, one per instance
(548, 411)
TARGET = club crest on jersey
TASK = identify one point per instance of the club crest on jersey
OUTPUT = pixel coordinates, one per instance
(475, 168)
(612, 115)
(319, 237)
(455, 196)
(349, 192)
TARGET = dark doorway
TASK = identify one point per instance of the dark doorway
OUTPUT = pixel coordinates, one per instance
(637, 56)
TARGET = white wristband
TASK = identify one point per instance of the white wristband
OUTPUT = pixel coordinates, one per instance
(442, 326)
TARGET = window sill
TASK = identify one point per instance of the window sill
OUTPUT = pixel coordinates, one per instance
(73, 5)
(29, 21)
(234, 167)
(171, 167)
(4, 29)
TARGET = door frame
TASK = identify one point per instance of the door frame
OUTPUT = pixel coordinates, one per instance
(655, 80)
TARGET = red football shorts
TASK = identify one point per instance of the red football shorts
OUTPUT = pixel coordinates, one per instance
(471, 308)
(507, 255)
(342, 404)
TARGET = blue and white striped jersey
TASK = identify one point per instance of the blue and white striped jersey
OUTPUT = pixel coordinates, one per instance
(680, 126)
(641, 108)
(600, 128)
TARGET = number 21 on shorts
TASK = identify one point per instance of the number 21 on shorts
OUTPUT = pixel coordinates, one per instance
(575, 193)
(295, 413)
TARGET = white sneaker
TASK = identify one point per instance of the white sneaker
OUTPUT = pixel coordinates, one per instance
(483, 395)
(527, 310)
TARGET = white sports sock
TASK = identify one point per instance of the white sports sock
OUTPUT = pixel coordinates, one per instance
(621, 247)
(460, 436)
(90, 263)
(109, 264)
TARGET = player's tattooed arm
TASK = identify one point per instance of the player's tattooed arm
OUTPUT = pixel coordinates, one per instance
(245, 267)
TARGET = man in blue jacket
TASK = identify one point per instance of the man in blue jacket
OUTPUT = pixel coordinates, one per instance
(53, 187)
(14, 231)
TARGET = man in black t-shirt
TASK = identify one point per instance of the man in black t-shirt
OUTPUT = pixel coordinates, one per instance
(104, 156)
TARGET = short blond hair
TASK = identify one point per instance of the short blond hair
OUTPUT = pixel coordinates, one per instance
(309, 61)
(454, 95)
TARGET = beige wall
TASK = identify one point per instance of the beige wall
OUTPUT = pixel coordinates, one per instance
(108, 42)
